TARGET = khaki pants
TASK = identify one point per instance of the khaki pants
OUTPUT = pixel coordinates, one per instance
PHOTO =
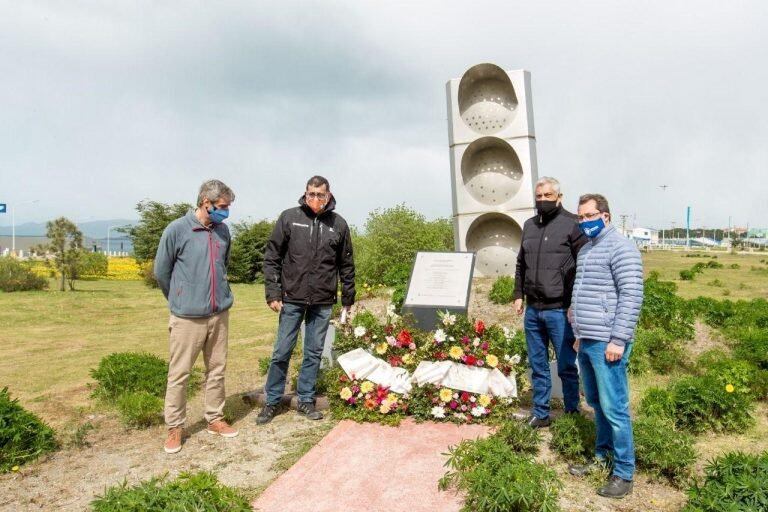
(190, 336)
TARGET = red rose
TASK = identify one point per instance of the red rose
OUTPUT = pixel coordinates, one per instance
(470, 360)
(479, 327)
(344, 378)
(464, 396)
(440, 356)
(395, 361)
(404, 338)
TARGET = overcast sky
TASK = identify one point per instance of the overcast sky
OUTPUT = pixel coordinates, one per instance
(105, 103)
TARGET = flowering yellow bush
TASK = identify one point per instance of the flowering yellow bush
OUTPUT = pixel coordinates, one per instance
(123, 269)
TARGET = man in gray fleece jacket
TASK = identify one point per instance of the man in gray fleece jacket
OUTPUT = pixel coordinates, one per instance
(191, 268)
(605, 306)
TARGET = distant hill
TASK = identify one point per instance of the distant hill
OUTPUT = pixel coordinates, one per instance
(92, 229)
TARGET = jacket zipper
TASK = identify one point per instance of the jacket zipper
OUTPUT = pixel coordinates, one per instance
(538, 259)
(213, 272)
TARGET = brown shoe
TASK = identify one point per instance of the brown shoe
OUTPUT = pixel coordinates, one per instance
(222, 428)
(173, 443)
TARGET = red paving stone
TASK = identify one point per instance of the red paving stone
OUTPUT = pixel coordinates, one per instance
(371, 468)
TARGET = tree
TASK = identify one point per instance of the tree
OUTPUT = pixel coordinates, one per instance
(154, 216)
(92, 264)
(247, 254)
(65, 244)
(385, 252)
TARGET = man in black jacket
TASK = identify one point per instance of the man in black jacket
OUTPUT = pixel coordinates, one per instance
(546, 268)
(309, 250)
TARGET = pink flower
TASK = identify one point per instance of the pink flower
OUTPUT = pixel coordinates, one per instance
(412, 346)
(465, 340)
(484, 345)
(463, 408)
(454, 404)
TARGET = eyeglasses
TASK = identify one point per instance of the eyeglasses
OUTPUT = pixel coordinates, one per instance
(587, 216)
(316, 195)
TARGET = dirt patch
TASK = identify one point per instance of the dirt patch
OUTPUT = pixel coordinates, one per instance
(705, 338)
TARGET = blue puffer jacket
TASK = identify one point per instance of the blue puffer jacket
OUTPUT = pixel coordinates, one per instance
(608, 291)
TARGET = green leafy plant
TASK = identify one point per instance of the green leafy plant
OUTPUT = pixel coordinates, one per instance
(745, 376)
(663, 309)
(704, 404)
(519, 436)
(657, 350)
(190, 491)
(573, 437)
(140, 409)
(663, 451)
(687, 275)
(714, 264)
(658, 402)
(734, 481)
(23, 436)
(249, 241)
(502, 289)
(16, 276)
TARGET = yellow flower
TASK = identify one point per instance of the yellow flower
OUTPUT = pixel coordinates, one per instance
(15, 468)
(446, 395)
(407, 358)
(729, 388)
(392, 398)
(455, 352)
(345, 394)
(366, 387)
(492, 361)
(381, 348)
(484, 400)
(384, 409)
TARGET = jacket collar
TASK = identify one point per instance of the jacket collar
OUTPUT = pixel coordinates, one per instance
(544, 219)
(195, 223)
(607, 229)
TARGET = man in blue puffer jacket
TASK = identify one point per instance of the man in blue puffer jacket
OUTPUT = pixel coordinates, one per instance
(605, 306)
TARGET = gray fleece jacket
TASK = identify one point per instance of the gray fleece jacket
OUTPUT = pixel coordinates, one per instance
(191, 267)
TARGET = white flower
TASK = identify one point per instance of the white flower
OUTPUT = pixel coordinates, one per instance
(449, 319)
(506, 357)
(508, 333)
(515, 359)
(374, 336)
(359, 331)
(478, 411)
(460, 416)
(438, 412)
(439, 335)
(391, 310)
(451, 338)
(476, 343)
(455, 395)
(391, 340)
(472, 399)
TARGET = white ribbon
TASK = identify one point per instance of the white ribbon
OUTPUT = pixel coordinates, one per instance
(362, 365)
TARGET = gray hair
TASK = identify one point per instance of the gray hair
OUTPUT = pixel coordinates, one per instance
(546, 180)
(213, 190)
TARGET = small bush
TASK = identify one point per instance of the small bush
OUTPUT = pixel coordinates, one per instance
(734, 481)
(714, 264)
(716, 283)
(744, 376)
(663, 451)
(494, 478)
(573, 437)
(125, 372)
(663, 309)
(147, 273)
(704, 404)
(23, 436)
(17, 276)
(699, 267)
(264, 363)
(140, 409)
(658, 402)
(190, 491)
(734, 266)
(520, 437)
(398, 297)
(657, 350)
(751, 344)
(687, 275)
(502, 290)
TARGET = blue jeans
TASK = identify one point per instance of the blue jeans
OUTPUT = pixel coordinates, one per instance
(316, 320)
(541, 327)
(607, 392)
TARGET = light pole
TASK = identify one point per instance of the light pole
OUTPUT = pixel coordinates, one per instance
(13, 223)
(109, 228)
(663, 189)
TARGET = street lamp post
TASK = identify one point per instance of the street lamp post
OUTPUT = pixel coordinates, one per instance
(109, 229)
(663, 189)
(13, 224)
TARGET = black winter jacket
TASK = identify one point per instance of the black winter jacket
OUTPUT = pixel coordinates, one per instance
(546, 263)
(307, 254)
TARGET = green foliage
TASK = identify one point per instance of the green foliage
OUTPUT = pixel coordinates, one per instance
(23, 436)
(147, 274)
(520, 437)
(657, 350)
(658, 402)
(154, 217)
(743, 375)
(140, 409)
(502, 290)
(663, 451)
(716, 283)
(135, 384)
(664, 310)
(385, 253)
(65, 246)
(398, 297)
(496, 477)
(190, 491)
(92, 265)
(573, 437)
(703, 404)
(751, 344)
(16, 276)
(264, 363)
(714, 264)
(249, 241)
(687, 275)
(734, 481)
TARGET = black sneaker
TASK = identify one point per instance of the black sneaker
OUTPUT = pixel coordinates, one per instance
(308, 410)
(266, 414)
(535, 422)
(616, 487)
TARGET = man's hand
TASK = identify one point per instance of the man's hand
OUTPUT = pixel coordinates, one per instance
(518, 306)
(613, 352)
(345, 314)
(276, 305)
(576, 344)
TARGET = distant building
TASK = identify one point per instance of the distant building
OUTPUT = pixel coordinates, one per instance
(642, 236)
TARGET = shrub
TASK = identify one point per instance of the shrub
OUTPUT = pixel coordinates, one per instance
(398, 297)
(264, 363)
(663, 451)
(17, 276)
(664, 310)
(502, 289)
(494, 478)
(744, 376)
(140, 409)
(190, 491)
(687, 275)
(704, 404)
(735, 266)
(714, 264)
(657, 350)
(23, 436)
(573, 437)
(751, 344)
(249, 241)
(520, 437)
(734, 481)
(658, 402)
(147, 273)
(716, 283)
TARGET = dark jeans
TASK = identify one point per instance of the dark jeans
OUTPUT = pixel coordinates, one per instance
(316, 320)
(543, 326)
(607, 392)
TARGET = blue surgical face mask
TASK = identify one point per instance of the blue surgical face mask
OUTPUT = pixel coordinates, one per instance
(592, 228)
(217, 215)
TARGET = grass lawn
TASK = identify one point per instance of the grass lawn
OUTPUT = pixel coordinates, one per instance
(52, 339)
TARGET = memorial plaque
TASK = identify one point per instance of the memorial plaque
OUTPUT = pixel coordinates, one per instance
(439, 281)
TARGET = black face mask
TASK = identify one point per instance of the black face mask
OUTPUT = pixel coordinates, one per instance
(545, 207)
